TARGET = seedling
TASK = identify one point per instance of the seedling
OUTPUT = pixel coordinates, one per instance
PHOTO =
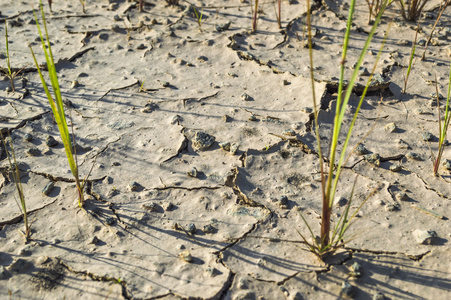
(329, 179)
(442, 128)
(412, 55)
(8, 71)
(56, 102)
(374, 6)
(83, 5)
(16, 177)
(199, 17)
(411, 10)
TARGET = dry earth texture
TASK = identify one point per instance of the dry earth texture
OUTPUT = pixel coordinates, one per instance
(166, 219)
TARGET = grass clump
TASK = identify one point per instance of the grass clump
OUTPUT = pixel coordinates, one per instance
(329, 178)
(442, 128)
(411, 10)
(56, 103)
(16, 178)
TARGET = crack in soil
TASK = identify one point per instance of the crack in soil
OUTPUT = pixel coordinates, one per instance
(417, 257)
(5, 131)
(183, 145)
(19, 218)
(100, 278)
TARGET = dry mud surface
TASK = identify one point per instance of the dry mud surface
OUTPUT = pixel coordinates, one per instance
(165, 220)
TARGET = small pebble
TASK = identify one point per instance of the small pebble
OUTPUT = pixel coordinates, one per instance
(9, 89)
(209, 229)
(373, 159)
(403, 43)
(242, 284)
(165, 84)
(342, 201)
(434, 95)
(50, 141)
(27, 137)
(211, 271)
(33, 152)
(203, 141)
(109, 220)
(283, 200)
(390, 127)
(94, 240)
(347, 289)
(48, 188)
(289, 132)
(356, 269)
(134, 186)
(202, 58)
(245, 97)
(191, 228)
(168, 206)
(401, 196)
(425, 237)
(378, 296)
(226, 118)
(234, 148)
(3, 273)
(74, 84)
(117, 18)
(186, 256)
(427, 136)
(395, 167)
(225, 146)
(193, 173)
(252, 118)
(149, 107)
(392, 207)
(447, 164)
(152, 207)
(141, 47)
(413, 156)
(364, 71)
(307, 110)
(361, 150)
(403, 145)
(285, 82)
(104, 36)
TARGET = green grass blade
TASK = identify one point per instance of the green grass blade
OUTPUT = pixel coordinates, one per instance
(56, 102)
(331, 189)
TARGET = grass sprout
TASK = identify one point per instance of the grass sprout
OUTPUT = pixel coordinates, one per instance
(443, 129)
(374, 6)
(8, 71)
(329, 179)
(409, 68)
(411, 10)
(83, 5)
(198, 16)
(56, 103)
(16, 177)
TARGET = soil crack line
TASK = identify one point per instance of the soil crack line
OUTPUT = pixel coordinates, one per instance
(100, 278)
(183, 145)
(6, 131)
(19, 218)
